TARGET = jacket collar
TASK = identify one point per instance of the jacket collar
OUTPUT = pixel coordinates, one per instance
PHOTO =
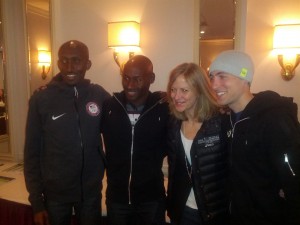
(58, 82)
(152, 99)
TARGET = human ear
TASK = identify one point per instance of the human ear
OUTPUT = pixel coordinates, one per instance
(152, 78)
(88, 64)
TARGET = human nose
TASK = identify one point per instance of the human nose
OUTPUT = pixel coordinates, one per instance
(69, 66)
(131, 82)
(175, 95)
(214, 82)
(66, 65)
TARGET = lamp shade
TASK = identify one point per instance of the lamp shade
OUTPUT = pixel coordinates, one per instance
(286, 36)
(44, 57)
(122, 34)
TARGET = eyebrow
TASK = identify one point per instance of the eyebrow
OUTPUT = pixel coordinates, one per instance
(220, 72)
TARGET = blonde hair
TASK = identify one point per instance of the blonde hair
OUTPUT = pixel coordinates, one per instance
(197, 79)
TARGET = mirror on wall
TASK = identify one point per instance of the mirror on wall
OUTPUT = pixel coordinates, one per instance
(39, 42)
(217, 29)
(20, 69)
(4, 137)
(3, 108)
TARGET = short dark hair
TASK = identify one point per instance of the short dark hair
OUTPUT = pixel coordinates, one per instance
(75, 44)
(140, 61)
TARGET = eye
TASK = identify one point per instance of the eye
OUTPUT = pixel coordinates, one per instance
(125, 78)
(222, 76)
(138, 79)
(76, 60)
(63, 61)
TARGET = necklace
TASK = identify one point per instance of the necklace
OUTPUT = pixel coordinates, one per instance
(187, 144)
(188, 168)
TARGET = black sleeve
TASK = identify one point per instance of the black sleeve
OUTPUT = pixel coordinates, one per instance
(282, 138)
(32, 151)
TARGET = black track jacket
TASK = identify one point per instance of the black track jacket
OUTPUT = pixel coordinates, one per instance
(265, 162)
(63, 159)
(135, 153)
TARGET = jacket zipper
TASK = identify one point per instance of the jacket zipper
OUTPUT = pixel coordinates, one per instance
(77, 114)
(233, 125)
(132, 142)
(232, 134)
(131, 155)
(286, 159)
(80, 137)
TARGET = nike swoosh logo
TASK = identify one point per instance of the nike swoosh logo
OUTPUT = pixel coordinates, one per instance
(56, 117)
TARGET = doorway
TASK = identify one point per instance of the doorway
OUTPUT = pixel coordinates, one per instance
(217, 29)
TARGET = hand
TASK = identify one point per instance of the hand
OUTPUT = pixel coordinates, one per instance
(41, 218)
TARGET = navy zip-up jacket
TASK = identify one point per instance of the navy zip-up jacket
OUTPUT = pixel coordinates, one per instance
(63, 159)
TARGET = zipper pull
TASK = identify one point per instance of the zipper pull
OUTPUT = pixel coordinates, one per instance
(286, 159)
(75, 92)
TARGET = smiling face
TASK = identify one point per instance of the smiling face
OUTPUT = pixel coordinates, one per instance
(230, 90)
(136, 85)
(183, 96)
(73, 62)
(137, 77)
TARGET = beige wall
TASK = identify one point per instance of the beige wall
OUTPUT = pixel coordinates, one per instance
(168, 36)
(167, 33)
(261, 17)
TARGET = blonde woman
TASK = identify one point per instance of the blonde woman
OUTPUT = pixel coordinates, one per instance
(198, 159)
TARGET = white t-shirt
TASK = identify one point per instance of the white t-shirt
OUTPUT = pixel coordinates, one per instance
(187, 144)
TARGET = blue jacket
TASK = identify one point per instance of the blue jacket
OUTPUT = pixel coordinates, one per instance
(63, 159)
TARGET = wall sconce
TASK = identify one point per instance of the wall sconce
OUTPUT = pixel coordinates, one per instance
(123, 36)
(44, 60)
(286, 43)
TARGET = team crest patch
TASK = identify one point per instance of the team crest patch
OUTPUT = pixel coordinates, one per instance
(92, 108)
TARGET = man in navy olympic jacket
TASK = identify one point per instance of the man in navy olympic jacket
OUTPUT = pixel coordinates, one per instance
(63, 158)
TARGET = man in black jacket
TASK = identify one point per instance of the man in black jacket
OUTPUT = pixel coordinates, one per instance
(265, 146)
(63, 159)
(134, 128)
